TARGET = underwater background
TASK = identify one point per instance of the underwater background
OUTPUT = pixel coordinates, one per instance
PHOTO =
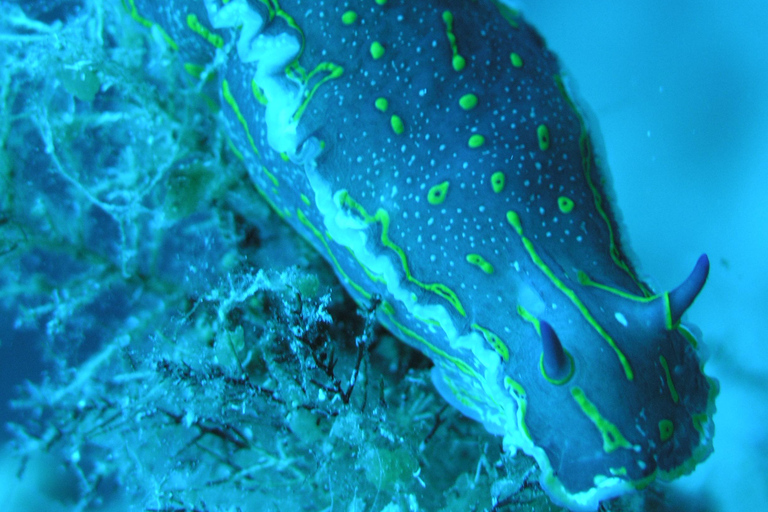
(141, 277)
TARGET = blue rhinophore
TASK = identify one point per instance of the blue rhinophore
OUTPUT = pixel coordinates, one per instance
(433, 153)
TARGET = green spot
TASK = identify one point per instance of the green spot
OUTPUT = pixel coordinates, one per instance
(688, 335)
(565, 204)
(349, 17)
(517, 61)
(666, 429)
(543, 133)
(195, 70)
(377, 50)
(381, 2)
(497, 181)
(458, 62)
(271, 177)
(306, 200)
(382, 104)
(612, 437)
(699, 421)
(475, 141)
(233, 148)
(476, 259)
(258, 93)
(668, 323)
(468, 101)
(528, 317)
(194, 23)
(232, 102)
(520, 396)
(514, 220)
(494, 341)
(670, 383)
(437, 194)
(397, 124)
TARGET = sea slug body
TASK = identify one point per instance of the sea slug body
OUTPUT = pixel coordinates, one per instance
(432, 151)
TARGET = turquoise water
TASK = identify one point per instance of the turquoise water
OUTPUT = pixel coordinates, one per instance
(678, 91)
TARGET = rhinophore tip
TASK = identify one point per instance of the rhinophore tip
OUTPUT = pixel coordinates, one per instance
(681, 298)
(556, 363)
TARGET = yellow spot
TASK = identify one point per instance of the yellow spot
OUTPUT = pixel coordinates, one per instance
(543, 133)
(468, 101)
(377, 50)
(565, 204)
(437, 194)
(349, 17)
(497, 181)
(517, 61)
(397, 124)
(476, 141)
(382, 104)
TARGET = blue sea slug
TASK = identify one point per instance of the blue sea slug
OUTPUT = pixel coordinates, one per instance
(432, 151)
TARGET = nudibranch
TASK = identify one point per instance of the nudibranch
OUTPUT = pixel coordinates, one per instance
(433, 153)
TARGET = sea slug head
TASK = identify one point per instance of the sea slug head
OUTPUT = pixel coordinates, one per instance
(620, 397)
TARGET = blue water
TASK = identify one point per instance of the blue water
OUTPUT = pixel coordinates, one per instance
(678, 90)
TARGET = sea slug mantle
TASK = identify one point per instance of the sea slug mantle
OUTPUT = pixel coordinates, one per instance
(433, 153)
